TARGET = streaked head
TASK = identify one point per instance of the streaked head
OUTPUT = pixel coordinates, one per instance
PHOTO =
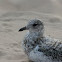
(33, 26)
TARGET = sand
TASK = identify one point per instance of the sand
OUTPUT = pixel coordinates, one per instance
(15, 14)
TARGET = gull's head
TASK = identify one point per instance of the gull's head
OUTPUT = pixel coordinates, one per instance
(34, 25)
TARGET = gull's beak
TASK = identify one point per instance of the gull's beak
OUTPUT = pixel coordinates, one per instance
(24, 28)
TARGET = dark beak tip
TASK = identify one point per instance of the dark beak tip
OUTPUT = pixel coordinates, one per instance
(24, 28)
(20, 30)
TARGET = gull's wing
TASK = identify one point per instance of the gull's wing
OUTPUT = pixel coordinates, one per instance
(51, 47)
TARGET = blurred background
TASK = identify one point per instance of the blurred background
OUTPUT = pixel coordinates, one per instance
(15, 14)
(44, 6)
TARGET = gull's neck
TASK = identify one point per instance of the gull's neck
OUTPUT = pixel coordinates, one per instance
(38, 33)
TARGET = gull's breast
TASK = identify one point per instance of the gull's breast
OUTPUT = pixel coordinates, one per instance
(37, 56)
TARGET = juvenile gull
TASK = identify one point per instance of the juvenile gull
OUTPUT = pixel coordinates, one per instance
(38, 47)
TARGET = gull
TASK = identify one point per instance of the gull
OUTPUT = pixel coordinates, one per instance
(37, 46)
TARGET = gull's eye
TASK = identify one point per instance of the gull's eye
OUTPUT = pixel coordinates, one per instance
(35, 24)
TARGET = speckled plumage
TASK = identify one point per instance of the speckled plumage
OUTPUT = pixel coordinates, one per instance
(41, 48)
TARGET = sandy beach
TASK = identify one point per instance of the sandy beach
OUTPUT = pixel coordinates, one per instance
(15, 14)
